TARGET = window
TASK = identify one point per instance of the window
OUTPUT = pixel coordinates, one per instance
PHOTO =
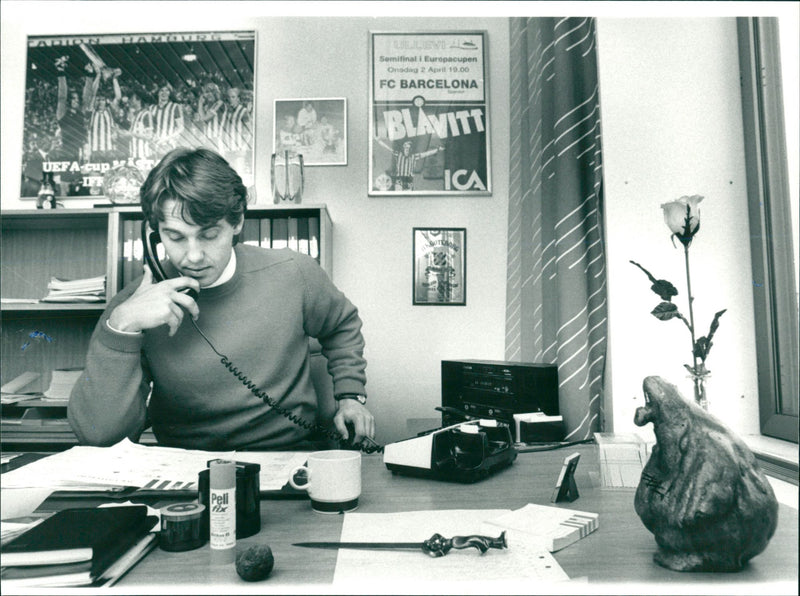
(771, 219)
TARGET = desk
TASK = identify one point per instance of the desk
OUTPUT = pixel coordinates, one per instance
(619, 553)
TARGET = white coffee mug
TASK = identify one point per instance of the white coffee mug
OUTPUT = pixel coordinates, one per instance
(333, 480)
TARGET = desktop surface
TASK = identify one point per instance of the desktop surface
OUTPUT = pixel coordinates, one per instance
(618, 553)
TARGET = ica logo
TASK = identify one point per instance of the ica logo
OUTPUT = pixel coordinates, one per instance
(219, 503)
(463, 180)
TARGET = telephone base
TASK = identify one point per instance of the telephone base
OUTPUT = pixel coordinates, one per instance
(466, 452)
(461, 476)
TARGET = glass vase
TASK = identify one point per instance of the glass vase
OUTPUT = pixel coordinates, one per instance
(699, 382)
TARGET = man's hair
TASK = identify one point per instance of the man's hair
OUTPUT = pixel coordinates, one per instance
(206, 188)
(143, 97)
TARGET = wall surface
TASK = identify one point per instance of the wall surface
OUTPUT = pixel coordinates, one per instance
(328, 57)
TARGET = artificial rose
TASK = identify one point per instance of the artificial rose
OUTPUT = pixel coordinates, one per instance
(683, 217)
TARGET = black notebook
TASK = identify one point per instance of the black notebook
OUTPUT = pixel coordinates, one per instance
(83, 573)
(82, 534)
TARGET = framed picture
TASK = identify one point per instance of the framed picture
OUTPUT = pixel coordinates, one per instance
(95, 103)
(315, 128)
(440, 266)
(429, 121)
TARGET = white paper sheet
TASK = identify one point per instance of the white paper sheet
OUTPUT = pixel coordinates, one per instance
(20, 502)
(522, 561)
(129, 464)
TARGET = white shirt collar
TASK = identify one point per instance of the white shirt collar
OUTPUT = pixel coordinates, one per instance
(227, 273)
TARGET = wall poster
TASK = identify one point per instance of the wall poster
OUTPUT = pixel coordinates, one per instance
(440, 266)
(429, 126)
(95, 103)
(316, 128)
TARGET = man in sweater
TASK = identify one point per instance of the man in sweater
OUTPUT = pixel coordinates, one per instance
(257, 307)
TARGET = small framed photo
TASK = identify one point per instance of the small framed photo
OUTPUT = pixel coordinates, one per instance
(316, 128)
(440, 266)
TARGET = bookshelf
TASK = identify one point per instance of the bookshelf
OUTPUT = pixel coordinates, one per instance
(80, 243)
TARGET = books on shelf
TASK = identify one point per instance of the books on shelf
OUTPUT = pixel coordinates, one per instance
(291, 225)
(90, 289)
(313, 237)
(280, 233)
(549, 527)
(80, 546)
(300, 234)
(265, 229)
(251, 232)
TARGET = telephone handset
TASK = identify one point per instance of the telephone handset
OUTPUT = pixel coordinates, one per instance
(150, 242)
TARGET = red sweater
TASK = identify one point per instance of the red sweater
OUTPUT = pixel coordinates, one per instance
(261, 319)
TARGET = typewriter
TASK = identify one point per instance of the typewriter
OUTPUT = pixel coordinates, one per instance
(465, 452)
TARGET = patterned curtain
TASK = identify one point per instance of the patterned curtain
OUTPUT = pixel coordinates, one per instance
(556, 292)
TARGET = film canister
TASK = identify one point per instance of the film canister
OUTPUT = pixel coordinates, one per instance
(181, 527)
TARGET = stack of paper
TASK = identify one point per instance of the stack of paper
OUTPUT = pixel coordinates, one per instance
(90, 289)
(622, 459)
(20, 388)
(551, 528)
(159, 468)
(61, 384)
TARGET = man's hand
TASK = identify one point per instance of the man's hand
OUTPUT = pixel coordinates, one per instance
(349, 410)
(152, 305)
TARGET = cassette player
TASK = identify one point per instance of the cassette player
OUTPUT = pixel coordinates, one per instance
(465, 452)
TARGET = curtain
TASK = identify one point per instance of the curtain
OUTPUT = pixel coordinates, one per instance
(556, 289)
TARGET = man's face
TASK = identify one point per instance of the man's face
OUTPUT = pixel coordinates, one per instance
(406, 148)
(198, 252)
(233, 96)
(163, 94)
(100, 103)
(74, 101)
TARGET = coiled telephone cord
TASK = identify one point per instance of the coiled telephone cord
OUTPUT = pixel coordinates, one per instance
(373, 447)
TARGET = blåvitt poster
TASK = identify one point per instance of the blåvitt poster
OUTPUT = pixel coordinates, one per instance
(429, 126)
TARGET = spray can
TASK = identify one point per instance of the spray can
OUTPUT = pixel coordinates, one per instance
(222, 510)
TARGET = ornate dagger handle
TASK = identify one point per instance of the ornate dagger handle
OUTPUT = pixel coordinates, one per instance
(438, 546)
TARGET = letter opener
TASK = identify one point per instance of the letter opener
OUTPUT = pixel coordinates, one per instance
(436, 546)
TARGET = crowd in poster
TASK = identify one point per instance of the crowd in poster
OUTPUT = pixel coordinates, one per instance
(429, 123)
(440, 266)
(99, 103)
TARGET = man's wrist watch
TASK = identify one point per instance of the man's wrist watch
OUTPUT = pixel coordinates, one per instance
(359, 397)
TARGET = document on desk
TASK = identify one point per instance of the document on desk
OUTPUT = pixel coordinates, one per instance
(522, 561)
(149, 467)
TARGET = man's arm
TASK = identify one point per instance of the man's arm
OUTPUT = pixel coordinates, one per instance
(334, 321)
(383, 144)
(430, 151)
(90, 87)
(331, 318)
(108, 403)
(61, 105)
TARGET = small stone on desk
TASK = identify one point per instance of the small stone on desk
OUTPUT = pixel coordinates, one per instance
(255, 563)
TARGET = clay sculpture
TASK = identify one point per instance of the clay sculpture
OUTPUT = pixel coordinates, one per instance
(702, 493)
